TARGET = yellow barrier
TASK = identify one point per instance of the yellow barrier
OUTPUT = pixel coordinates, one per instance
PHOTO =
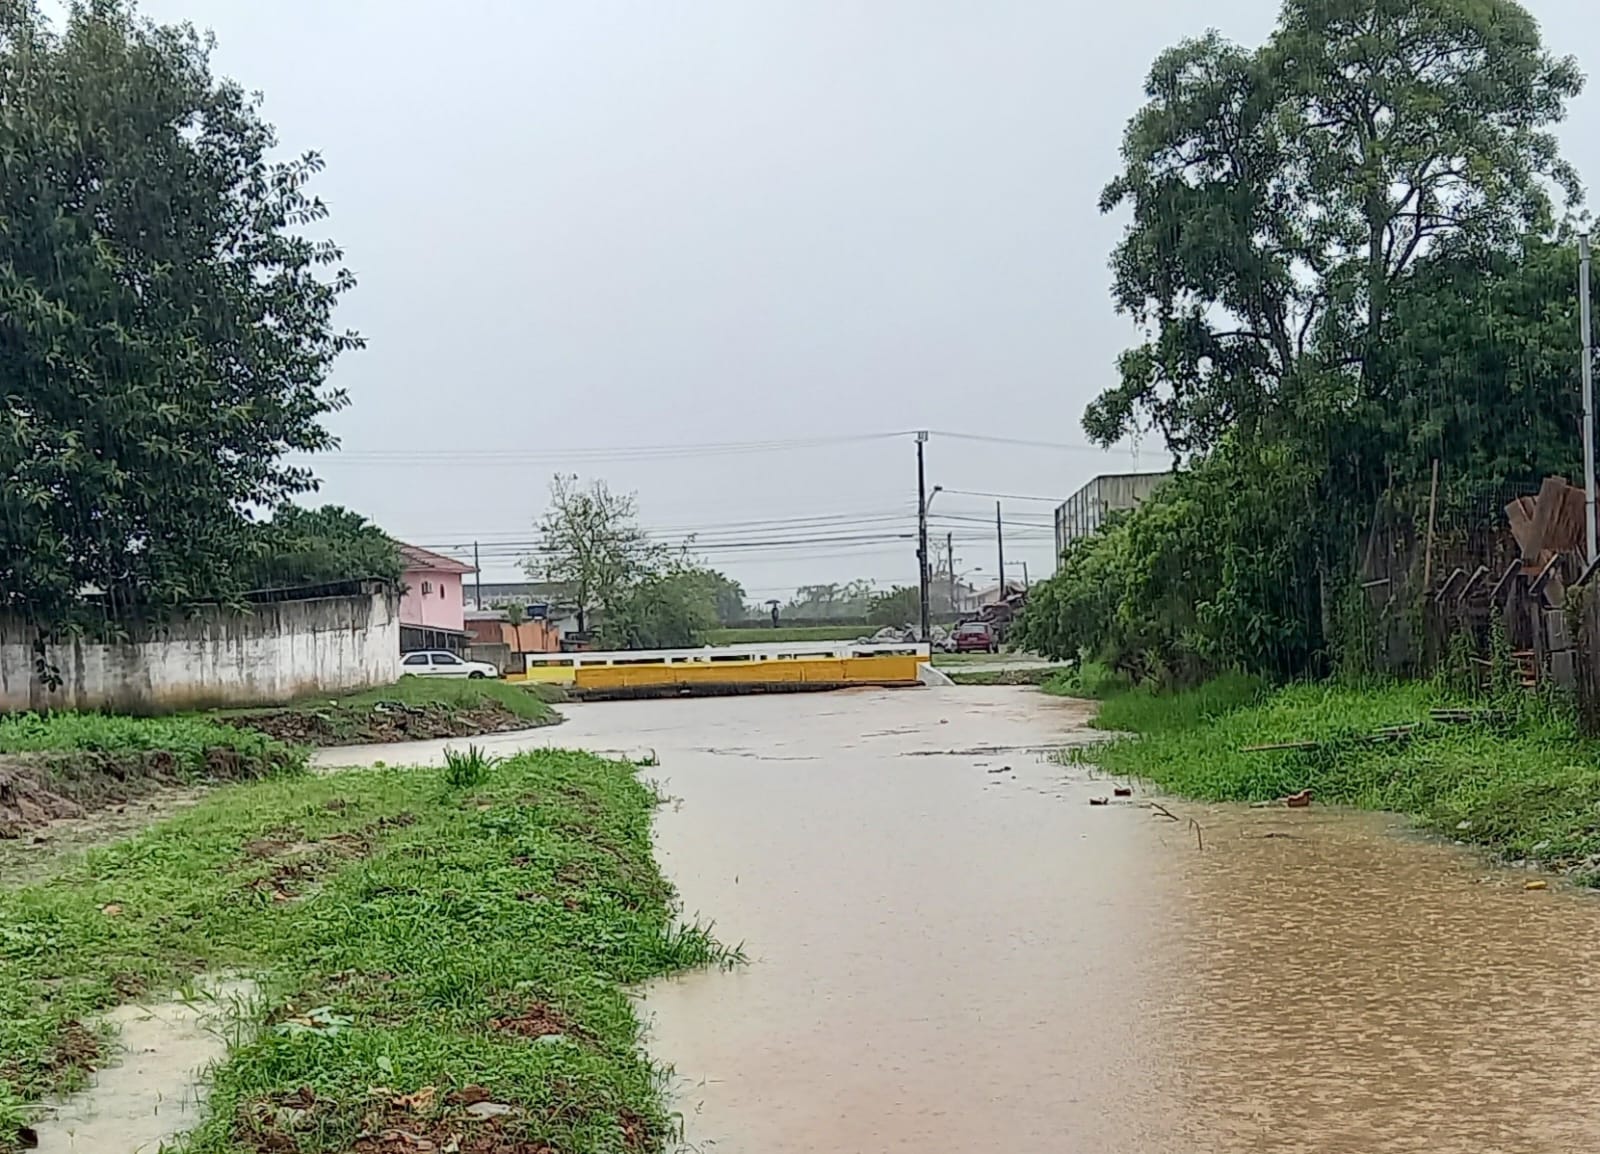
(823, 671)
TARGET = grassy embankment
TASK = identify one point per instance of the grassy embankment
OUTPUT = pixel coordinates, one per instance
(1523, 785)
(422, 939)
(413, 708)
(68, 764)
(757, 636)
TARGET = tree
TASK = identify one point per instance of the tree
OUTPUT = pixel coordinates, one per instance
(591, 542)
(901, 605)
(166, 330)
(670, 609)
(1280, 196)
(320, 546)
(727, 596)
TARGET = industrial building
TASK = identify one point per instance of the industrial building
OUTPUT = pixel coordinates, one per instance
(1086, 510)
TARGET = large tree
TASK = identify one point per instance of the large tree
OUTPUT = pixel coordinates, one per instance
(321, 546)
(1279, 196)
(591, 542)
(166, 325)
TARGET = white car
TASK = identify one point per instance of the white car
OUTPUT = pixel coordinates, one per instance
(440, 663)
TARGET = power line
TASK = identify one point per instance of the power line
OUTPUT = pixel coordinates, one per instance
(1004, 496)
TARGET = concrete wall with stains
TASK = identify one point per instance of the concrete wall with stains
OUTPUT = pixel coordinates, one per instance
(269, 654)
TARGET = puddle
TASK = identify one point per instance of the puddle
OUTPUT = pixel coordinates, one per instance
(154, 1091)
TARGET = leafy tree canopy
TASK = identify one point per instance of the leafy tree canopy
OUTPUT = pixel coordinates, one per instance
(899, 606)
(321, 546)
(1279, 196)
(166, 327)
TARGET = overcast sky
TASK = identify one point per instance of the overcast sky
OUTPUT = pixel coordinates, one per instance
(596, 224)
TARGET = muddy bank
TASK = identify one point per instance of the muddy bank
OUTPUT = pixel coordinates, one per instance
(384, 722)
(37, 789)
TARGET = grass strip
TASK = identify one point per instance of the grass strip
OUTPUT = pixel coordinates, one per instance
(1036, 675)
(419, 945)
(412, 708)
(190, 742)
(758, 636)
(1528, 788)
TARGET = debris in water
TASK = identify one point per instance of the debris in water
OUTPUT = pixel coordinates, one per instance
(1298, 800)
(1099, 801)
(1536, 885)
(1123, 791)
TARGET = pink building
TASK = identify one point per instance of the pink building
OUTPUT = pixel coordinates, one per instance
(432, 605)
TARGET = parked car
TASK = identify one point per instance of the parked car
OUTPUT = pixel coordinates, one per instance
(440, 663)
(975, 637)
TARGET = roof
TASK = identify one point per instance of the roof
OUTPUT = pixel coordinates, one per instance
(413, 557)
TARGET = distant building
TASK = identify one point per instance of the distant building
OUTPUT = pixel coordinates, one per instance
(1085, 511)
(431, 607)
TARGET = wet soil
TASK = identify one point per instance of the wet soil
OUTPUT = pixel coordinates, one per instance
(381, 723)
(38, 789)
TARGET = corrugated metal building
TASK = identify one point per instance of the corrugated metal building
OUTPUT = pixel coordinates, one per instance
(1084, 512)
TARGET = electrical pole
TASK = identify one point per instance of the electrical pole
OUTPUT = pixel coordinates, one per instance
(950, 563)
(1025, 582)
(922, 535)
(477, 579)
(1588, 396)
(1000, 546)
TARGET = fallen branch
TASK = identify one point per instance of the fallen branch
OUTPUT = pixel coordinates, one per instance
(1160, 810)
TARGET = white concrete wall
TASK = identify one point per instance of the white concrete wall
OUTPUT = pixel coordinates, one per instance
(272, 653)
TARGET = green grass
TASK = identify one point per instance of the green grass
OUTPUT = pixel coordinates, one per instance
(397, 924)
(188, 739)
(1087, 679)
(788, 633)
(452, 692)
(1529, 788)
(1037, 675)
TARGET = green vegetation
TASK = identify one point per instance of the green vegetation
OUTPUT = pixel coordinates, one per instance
(320, 546)
(406, 932)
(786, 633)
(413, 708)
(646, 596)
(1520, 783)
(525, 700)
(170, 264)
(901, 605)
(1346, 253)
(189, 740)
(1035, 675)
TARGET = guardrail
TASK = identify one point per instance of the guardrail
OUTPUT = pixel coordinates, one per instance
(792, 664)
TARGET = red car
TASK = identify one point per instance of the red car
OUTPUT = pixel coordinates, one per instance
(975, 637)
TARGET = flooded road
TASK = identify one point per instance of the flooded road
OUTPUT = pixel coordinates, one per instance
(952, 950)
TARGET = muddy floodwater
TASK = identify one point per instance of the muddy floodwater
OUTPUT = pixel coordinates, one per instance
(951, 950)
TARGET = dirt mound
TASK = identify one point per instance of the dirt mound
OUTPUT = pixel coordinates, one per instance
(39, 788)
(383, 722)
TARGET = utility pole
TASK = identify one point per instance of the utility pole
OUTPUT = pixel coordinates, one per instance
(922, 534)
(477, 579)
(950, 563)
(1025, 582)
(1000, 546)
(1588, 395)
